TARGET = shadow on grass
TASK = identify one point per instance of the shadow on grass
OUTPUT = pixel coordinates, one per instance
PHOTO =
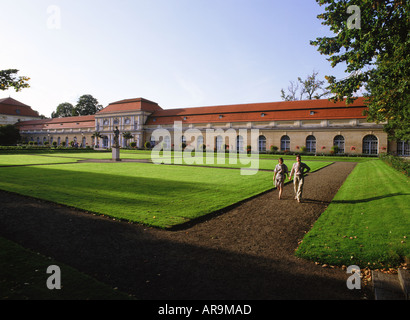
(123, 197)
(372, 198)
(152, 264)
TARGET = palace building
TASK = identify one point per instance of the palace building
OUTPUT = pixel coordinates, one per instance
(13, 111)
(288, 125)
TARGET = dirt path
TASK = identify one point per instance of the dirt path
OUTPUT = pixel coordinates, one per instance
(245, 253)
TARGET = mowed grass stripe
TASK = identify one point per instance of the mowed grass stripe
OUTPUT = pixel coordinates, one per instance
(156, 195)
(367, 223)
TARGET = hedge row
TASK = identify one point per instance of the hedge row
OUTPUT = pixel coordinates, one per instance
(398, 163)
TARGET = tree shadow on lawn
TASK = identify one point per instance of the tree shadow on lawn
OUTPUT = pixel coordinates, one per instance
(120, 196)
(152, 264)
(372, 198)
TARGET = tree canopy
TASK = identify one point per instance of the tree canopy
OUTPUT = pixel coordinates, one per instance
(310, 88)
(86, 105)
(371, 37)
(63, 110)
(9, 79)
(9, 135)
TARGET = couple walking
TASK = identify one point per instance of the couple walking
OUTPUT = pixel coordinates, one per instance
(299, 169)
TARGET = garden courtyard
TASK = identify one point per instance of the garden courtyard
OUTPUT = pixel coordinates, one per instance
(158, 231)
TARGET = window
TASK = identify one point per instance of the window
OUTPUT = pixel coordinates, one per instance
(167, 143)
(311, 144)
(262, 143)
(106, 122)
(218, 142)
(370, 144)
(239, 144)
(105, 142)
(127, 121)
(340, 142)
(285, 143)
(200, 142)
(403, 148)
(116, 121)
(152, 141)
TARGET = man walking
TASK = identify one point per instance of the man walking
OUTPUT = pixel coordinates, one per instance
(299, 169)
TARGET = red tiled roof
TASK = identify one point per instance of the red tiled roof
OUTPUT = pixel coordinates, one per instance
(131, 105)
(13, 107)
(59, 123)
(273, 111)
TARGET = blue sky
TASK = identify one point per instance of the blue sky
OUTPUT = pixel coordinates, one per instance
(178, 53)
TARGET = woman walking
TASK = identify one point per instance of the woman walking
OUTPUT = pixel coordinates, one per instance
(279, 176)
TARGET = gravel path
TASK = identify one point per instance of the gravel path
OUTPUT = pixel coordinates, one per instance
(244, 253)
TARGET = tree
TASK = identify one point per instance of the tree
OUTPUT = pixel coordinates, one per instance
(63, 110)
(371, 38)
(87, 105)
(127, 136)
(311, 88)
(96, 135)
(9, 79)
(9, 135)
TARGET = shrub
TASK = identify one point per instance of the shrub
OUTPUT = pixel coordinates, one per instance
(273, 148)
(147, 145)
(334, 149)
(303, 149)
(397, 163)
(133, 144)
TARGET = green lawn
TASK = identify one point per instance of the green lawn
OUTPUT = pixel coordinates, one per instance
(23, 276)
(28, 159)
(367, 223)
(156, 195)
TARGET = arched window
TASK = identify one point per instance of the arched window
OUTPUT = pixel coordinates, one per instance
(84, 142)
(58, 141)
(403, 148)
(152, 142)
(105, 142)
(239, 144)
(311, 144)
(262, 143)
(167, 142)
(218, 143)
(370, 144)
(339, 141)
(285, 143)
(199, 142)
